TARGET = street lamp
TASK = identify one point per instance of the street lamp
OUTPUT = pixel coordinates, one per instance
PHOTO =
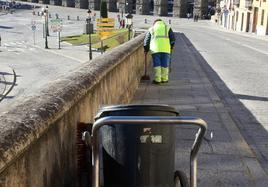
(89, 34)
(129, 23)
(46, 26)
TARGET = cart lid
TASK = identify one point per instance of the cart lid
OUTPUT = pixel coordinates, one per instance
(141, 107)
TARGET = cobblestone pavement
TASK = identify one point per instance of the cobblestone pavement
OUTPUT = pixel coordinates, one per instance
(224, 160)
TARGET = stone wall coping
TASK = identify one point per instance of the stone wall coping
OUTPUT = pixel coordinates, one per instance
(26, 122)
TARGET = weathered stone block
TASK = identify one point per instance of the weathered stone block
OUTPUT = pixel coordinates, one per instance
(38, 137)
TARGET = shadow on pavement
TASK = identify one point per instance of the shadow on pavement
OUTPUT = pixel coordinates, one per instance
(5, 27)
(251, 129)
(5, 73)
(250, 97)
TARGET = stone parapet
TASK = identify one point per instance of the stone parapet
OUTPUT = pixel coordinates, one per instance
(38, 137)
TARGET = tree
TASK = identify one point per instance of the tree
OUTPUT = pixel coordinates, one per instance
(103, 9)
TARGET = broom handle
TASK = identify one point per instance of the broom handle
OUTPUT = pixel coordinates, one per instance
(145, 64)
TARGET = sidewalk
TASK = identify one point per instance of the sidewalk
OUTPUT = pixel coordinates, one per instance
(225, 160)
(246, 34)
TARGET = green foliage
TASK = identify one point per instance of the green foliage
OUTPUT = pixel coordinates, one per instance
(120, 36)
(103, 9)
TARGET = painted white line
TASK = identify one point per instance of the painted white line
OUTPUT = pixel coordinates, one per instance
(258, 50)
(54, 52)
(245, 45)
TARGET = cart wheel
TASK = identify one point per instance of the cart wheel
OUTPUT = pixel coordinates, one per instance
(180, 179)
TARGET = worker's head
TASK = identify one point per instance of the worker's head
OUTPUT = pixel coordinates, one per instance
(157, 20)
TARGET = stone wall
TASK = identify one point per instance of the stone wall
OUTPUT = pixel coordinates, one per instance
(38, 137)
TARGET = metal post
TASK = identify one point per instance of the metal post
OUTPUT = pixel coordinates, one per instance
(33, 37)
(129, 32)
(47, 30)
(89, 39)
(46, 44)
(46, 27)
(102, 50)
(59, 39)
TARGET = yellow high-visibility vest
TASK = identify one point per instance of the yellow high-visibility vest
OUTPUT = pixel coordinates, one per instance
(159, 38)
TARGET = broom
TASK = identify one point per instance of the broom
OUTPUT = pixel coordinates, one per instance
(145, 77)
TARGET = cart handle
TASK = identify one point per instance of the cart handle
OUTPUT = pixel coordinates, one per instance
(146, 120)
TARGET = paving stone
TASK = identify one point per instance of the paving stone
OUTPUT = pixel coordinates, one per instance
(226, 159)
(223, 162)
(223, 178)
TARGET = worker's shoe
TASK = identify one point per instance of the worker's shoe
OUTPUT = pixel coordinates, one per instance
(156, 82)
(165, 81)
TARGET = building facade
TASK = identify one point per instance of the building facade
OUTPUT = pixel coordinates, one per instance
(245, 15)
(176, 8)
(260, 17)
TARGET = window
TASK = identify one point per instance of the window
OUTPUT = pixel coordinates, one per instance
(262, 17)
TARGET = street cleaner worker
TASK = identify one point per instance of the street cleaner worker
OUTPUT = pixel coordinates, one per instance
(160, 40)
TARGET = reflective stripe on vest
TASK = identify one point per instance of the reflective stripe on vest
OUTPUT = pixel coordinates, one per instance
(159, 38)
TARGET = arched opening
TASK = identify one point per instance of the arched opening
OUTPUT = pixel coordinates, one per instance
(190, 8)
(70, 3)
(84, 4)
(45, 1)
(170, 5)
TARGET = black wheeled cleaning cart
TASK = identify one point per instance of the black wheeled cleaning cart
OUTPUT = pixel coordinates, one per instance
(134, 146)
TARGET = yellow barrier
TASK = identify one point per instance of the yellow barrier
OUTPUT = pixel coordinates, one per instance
(105, 26)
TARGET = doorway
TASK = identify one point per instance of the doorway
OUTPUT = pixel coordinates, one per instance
(255, 19)
(248, 19)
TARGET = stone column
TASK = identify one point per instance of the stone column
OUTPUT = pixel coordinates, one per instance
(51, 2)
(197, 8)
(204, 7)
(111, 5)
(81, 4)
(160, 7)
(143, 7)
(177, 8)
(127, 6)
